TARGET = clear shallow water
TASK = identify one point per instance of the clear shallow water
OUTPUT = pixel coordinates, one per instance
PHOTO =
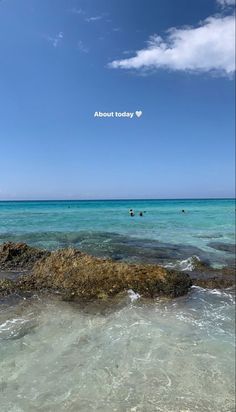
(137, 356)
(140, 356)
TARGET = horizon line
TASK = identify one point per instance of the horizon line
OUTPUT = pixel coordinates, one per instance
(116, 199)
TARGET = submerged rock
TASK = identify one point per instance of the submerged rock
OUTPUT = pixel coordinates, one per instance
(206, 276)
(77, 275)
(225, 247)
(19, 256)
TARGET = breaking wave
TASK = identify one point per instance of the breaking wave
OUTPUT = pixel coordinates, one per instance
(185, 264)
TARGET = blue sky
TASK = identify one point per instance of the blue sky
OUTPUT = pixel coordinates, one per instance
(63, 60)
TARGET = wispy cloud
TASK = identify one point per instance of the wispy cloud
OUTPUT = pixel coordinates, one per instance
(93, 18)
(81, 47)
(225, 3)
(85, 15)
(210, 47)
(77, 11)
(56, 39)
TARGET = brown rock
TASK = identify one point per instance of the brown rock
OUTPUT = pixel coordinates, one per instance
(19, 256)
(206, 276)
(77, 274)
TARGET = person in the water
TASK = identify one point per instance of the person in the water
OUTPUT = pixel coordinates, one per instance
(140, 213)
(131, 212)
(183, 211)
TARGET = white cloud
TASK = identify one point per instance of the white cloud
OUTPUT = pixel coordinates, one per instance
(226, 3)
(55, 40)
(210, 47)
(94, 18)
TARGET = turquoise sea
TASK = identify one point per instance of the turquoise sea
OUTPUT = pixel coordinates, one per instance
(137, 355)
(99, 226)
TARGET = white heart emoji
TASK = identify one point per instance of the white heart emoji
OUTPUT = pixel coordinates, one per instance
(138, 113)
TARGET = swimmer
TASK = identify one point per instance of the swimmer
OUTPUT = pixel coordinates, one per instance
(183, 211)
(131, 212)
(140, 213)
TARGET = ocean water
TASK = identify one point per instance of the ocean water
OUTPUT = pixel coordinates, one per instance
(141, 356)
(105, 227)
(131, 354)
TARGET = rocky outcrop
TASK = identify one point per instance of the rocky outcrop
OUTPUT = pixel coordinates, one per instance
(206, 276)
(19, 256)
(74, 274)
(214, 282)
(77, 275)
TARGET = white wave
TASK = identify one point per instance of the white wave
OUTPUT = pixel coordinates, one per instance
(133, 296)
(228, 294)
(183, 265)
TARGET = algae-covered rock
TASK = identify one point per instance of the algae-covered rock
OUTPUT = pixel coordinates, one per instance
(77, 274)
(207, 276)
(19, 256)
(7, 286)
(215, 282)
